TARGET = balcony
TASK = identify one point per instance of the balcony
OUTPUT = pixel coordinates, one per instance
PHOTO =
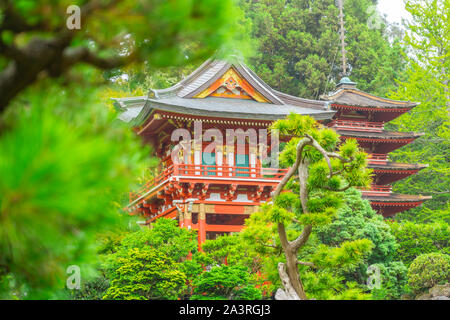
(378, 158)
(211, 174)
(357, 125)
(378, 191)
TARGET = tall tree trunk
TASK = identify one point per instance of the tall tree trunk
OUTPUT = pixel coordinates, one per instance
(293, 273)
(289, 292)
(289, 273)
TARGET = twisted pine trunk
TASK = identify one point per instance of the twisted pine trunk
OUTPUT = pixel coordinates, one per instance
(289, 273)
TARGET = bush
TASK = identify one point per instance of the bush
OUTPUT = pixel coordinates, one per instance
(428, 270)
(357, 220)
(225, 283)
(165, 236)
(416, 239)
(130, 264)
(144, 274)
(90, 290)
(394, 279)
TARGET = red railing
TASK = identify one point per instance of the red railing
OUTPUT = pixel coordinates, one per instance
(210, 171)
(378, 158)
(229, 171)
(151, 183)
(378, 190)
(357, 125)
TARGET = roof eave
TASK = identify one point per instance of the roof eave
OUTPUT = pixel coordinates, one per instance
(152, 105)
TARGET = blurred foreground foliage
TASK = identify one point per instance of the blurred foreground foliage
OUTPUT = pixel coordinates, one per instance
(66, 165)
(37, 38)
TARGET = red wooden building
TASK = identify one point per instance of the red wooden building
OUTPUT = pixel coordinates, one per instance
(213, 190)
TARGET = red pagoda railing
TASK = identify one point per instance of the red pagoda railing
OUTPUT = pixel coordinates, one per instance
(377, 190)
(378, 158)
(357, 125)
(229, 171)
(210, 171)
(151, 183)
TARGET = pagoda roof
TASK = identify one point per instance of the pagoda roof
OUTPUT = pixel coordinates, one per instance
(385, 135)
(396, 166)
(194, 95)
(397, 198)
(348, 95)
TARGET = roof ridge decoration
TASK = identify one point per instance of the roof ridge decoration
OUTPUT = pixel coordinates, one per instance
(232, 85)
(229, 75)
(232, 76)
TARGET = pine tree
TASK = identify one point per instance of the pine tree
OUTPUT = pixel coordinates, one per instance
(298, 46)
(309, 195)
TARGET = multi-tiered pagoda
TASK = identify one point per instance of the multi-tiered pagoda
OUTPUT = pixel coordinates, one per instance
(362, 116)
(213, 190)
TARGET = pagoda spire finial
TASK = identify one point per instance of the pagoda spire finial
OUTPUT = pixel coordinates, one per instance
(340, 4)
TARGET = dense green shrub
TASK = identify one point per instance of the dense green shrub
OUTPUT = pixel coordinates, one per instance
(416, 239)
(144, 274)
(428, 270)
(165, 236)
(125, 276)
(93, 289)
(393, 280)
(225, 283)
(357, 220)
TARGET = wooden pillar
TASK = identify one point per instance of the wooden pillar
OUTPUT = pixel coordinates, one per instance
(230, 158)
(187, 217)
(219, 159)
(262, 156)
(201, 225)
(252, 159)
(181, 217)
(197, 156)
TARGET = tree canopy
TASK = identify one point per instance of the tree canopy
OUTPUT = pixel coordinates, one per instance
(298, 47)
(37, 40)
(427, 82)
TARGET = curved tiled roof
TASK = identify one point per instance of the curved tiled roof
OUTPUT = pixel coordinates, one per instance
(397, 197)
(180, 98)
(380, 135)
(350, 96)
(398, 166)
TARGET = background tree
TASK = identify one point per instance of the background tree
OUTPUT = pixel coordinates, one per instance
(322, 174)
(298, 46)
(357, 220)
(428, 57)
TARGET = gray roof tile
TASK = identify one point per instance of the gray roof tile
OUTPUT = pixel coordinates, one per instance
(178, 98)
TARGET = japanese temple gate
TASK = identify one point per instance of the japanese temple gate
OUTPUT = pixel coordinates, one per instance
(215, 190)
